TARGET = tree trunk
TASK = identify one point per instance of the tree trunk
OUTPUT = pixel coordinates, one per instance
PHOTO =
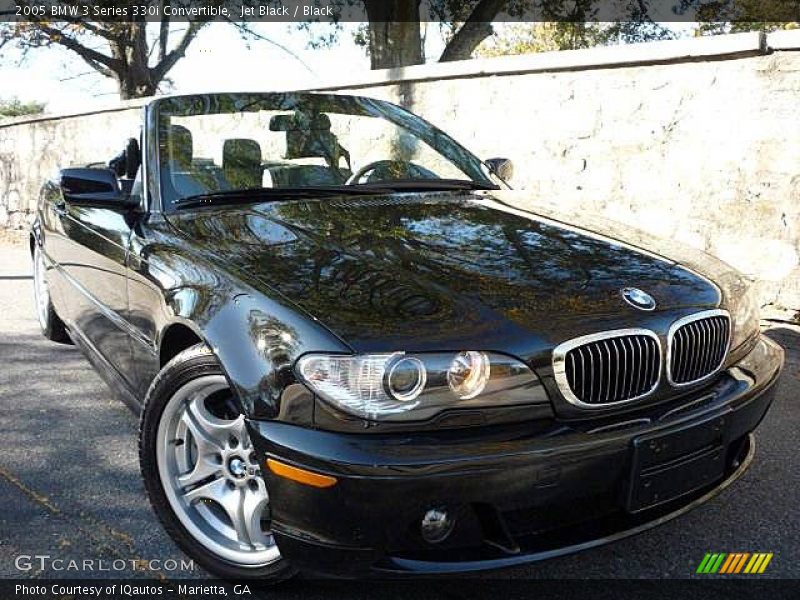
(136, 77)
(131, 87)
(474, 30)
(394, 33)
(464, 42)
(129, 57)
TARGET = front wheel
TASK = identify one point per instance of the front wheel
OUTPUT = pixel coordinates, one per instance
(201, 472)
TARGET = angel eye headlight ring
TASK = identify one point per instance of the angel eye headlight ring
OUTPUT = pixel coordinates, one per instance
(406, 378)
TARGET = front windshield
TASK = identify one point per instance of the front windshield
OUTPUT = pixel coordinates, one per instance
(223, 143)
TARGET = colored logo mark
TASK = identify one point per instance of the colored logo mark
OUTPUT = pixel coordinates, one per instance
(734, 563)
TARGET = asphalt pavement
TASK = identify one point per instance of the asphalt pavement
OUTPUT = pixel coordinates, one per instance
(70, 485)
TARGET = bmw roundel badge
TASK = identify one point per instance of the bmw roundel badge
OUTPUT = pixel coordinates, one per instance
(638, 298)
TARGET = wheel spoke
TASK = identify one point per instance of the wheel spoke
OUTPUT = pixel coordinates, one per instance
(207, 445)
(206, 466)
(234, 507)
(252, 510)
(214, 433)
(210, 436)
(213, 490)
(230, 500)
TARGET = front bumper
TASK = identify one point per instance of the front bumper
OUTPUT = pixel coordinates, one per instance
(518, 495)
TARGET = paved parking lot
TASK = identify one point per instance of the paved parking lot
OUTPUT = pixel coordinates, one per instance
(70, 487)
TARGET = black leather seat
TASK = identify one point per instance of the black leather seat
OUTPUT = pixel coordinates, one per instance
(185, 176)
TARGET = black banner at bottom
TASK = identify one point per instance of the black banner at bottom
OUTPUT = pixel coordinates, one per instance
(438, 589)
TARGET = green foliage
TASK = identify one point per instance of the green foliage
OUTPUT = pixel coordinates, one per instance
(321, 35)
(525, 38)
(723, 27)
(576, 24)
(13, 107)
(467, 27)
(727, 16)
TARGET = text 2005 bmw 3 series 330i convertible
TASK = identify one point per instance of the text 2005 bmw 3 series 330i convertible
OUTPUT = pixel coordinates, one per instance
(354, 354)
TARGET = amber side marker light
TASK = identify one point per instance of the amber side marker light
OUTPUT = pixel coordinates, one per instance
(300, 475)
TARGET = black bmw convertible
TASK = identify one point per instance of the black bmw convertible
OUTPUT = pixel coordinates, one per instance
(355, 351)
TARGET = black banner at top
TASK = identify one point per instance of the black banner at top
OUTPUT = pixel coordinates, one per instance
(328, 11)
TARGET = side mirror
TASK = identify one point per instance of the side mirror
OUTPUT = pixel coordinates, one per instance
(93, 187)
(502, 167)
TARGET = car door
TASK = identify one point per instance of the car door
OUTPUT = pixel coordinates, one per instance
(92, 254)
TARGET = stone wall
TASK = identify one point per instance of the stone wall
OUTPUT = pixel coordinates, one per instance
(31, 150)
(694, 140)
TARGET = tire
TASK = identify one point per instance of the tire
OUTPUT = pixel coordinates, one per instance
(201, 474)
(51, 325)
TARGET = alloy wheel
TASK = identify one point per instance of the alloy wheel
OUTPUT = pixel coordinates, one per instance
(211, 476)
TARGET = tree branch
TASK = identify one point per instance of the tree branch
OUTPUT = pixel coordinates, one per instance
(164, 65)
(99, 31)
(97, 60)
(247, 31)
(475, 29)
(78, 76)
(163, 34)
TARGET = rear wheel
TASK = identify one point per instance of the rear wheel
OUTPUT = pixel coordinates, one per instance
(201, 471)
(52, 326)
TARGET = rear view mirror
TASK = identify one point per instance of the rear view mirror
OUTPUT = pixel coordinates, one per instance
(502, 167)
(93, 187)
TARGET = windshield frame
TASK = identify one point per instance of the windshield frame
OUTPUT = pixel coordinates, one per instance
(221, 103)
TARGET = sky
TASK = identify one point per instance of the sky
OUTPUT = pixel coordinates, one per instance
(218, 60)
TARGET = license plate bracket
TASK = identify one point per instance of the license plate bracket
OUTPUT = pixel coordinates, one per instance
(670, 464)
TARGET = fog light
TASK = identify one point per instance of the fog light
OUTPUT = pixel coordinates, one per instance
(436, 525)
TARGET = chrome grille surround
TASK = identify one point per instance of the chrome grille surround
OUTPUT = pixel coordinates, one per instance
(563, 350)
(699, 332)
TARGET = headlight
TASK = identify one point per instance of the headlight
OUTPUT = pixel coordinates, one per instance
(744, 309)
(406, 379)
(405, 387)
(468, 374)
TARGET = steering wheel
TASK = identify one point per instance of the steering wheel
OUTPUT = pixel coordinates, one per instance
(394, 170)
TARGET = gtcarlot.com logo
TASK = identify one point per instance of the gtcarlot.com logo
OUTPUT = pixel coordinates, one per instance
(735, 563)
(45, 562)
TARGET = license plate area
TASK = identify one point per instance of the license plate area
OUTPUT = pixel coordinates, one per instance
(671, 464)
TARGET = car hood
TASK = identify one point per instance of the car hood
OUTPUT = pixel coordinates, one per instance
(450, 271)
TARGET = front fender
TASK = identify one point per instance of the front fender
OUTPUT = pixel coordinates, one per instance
(256, 338)
(257, 341)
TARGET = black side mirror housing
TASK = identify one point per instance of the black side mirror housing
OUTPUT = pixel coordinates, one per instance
(93, 187)
(502, 167)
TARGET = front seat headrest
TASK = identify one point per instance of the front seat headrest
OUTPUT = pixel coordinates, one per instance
(241, 163)
(180, 148)
(127, 162)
